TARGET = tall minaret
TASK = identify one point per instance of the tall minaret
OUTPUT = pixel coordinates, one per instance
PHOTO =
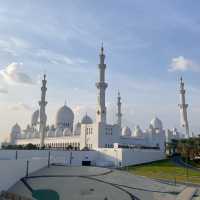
(183, 108)
(43, 117)
(119, 112)
(101, 86)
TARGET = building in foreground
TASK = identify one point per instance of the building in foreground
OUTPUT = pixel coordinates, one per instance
(89, 133)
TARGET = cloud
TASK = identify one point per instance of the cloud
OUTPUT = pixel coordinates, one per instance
(3, 90)
(182, 64)
(57, 58)
(14, 46)
(12, 74)
(20, 106)
(54, 58)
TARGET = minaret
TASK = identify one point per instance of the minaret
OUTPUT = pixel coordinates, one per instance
(43, 117)
(183, 108)
(119, 112)
(101, 86)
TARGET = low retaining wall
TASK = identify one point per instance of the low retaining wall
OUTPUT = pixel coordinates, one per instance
(124, 157)
(22, 154)
(139, 156)
(73, 158)
(12, 171)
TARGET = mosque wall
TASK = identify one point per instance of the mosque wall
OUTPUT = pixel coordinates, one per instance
(65, 133)
(108, 135)
(58, 142)
(89, 136)
(126, 140)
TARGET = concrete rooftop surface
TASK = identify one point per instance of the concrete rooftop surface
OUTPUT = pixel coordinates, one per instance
(94, 183)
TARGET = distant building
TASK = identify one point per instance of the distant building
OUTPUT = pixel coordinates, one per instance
(174, 134)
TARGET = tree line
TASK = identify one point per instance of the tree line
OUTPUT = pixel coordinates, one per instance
(187, 148)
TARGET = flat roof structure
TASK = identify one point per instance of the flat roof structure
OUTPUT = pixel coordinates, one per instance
(94, 183)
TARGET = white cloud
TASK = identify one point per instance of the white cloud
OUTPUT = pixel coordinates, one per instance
(182, 64)
(13, 74)
(20, 106)
(14, 46)
(56, 58)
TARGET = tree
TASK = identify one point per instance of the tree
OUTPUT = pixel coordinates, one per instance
(30, 146)
(172, 146)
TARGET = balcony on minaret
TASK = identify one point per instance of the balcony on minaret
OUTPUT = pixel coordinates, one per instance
(101, 85)
(42, 103)
(181, 106)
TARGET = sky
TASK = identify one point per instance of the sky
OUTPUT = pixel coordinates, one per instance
(148, 46)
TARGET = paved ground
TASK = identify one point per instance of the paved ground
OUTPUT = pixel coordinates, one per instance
(93, 183)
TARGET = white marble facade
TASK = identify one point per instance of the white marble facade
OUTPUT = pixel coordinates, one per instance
(91, 133)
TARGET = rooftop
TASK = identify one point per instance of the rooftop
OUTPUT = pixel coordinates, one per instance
(94, 183)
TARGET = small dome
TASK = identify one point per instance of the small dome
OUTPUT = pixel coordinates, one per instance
(34, 118)
(16, 129)
(86, 120)
(64, 117)
(29, 135)
(126, 131)
(59, 132)
(15, 133)
(137, 131)
(67, 132)
(50, 133)
(156, 123)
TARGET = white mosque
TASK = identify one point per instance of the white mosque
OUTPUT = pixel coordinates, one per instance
(89, 133)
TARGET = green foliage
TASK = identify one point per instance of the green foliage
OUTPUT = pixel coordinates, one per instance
(166, 170)
(20, 147)
(187, 148)
(30, 146)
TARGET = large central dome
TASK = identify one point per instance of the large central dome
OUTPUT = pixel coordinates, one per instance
(64, 117)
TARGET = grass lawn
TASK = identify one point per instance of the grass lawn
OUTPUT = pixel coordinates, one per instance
(167, 170)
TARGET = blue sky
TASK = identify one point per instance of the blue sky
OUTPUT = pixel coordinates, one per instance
(148, 45)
